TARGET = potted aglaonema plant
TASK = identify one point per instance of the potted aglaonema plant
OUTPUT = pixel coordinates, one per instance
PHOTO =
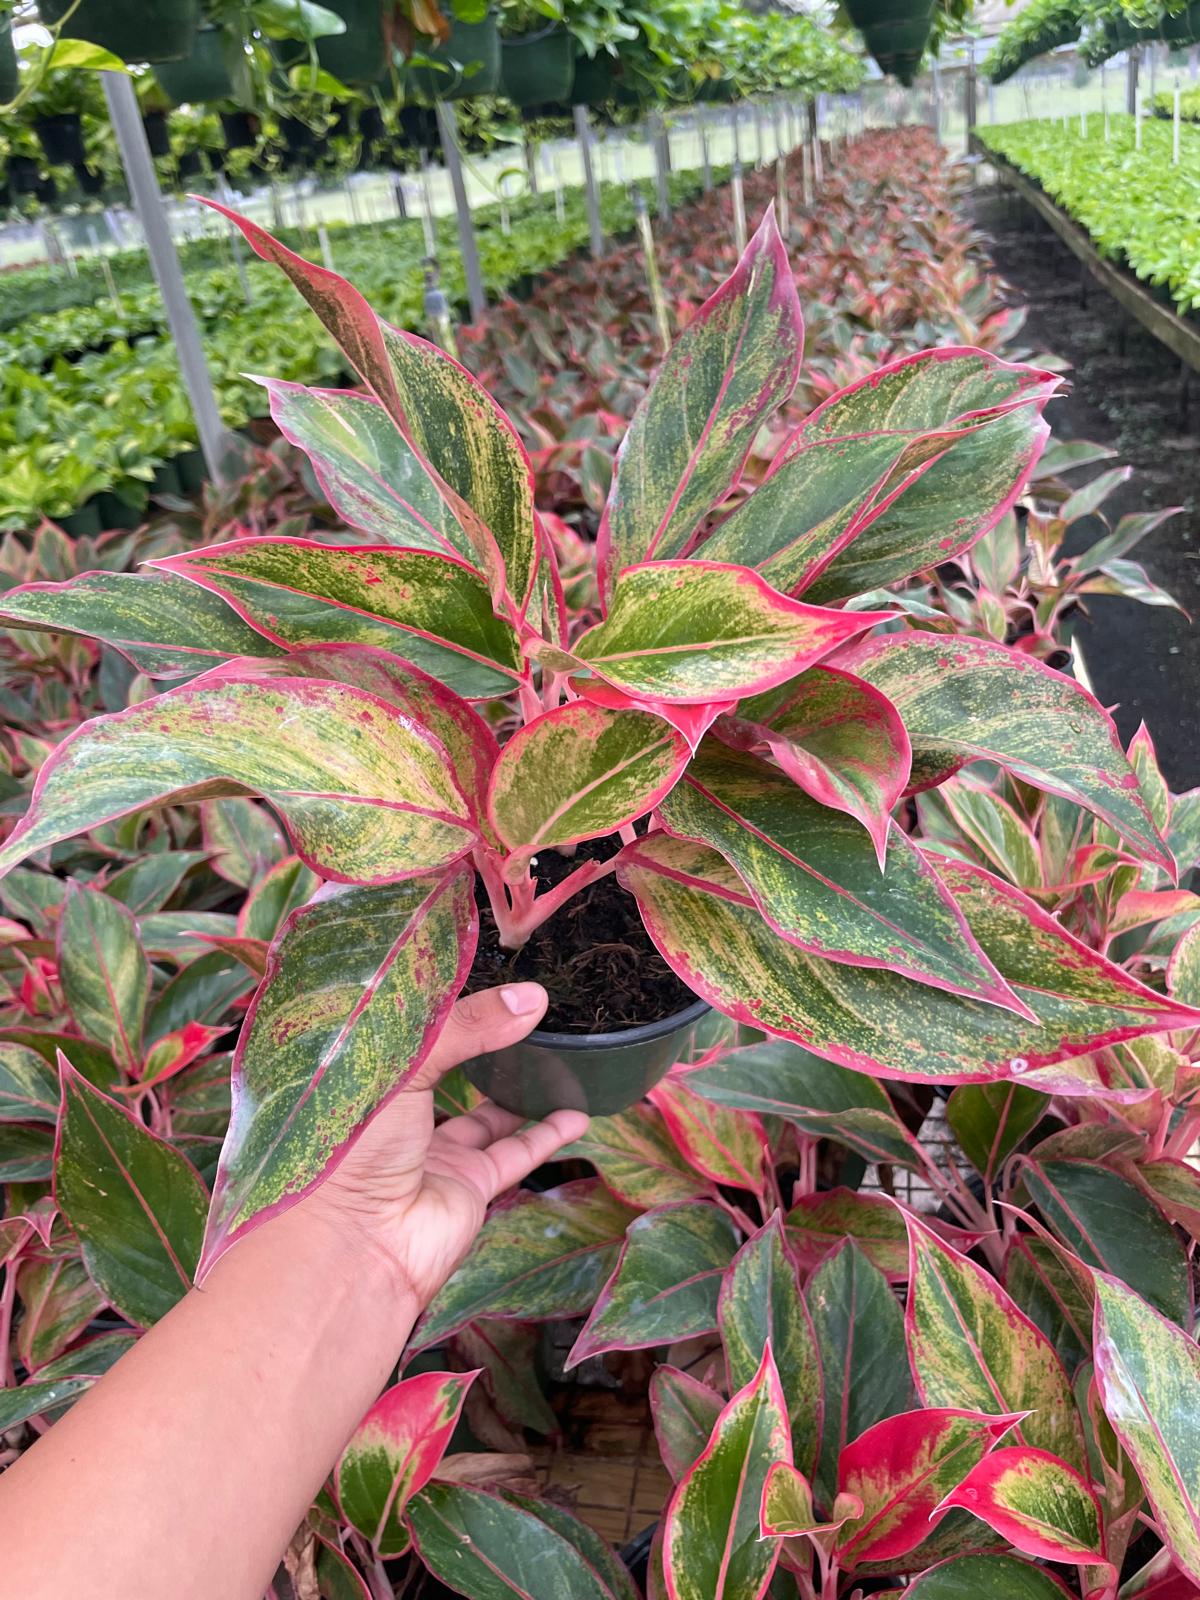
(703, 770)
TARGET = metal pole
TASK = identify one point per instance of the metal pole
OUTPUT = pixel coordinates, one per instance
(1131, 81)
(658, 138)
(448, 129)
(705, 160)
(972, 105)
(583, 132)
(181, 319)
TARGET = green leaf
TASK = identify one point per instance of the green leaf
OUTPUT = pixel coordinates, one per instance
(735, 363)
(285, 888)
(691, 631)
(31, 1399)
(59, 1301)
(1006, 843)
(814, 876)
(989, 1120)
(1112, 1224)
(146, 885)
(243, 838)
(759, 1305)
(584, 1538)
(166, 627)
(431, 609)
(364, 793)
(26, 1152)
(665, 1284)
(712, 1544)
(1148, 1376)
(104, 973)
(394, 1452)
(703, 922)
(495, 1548)
(28, 1086)
(538, 1256)
(985, 1578)
(859, 1328)
(685, 1413)
(581, 771)
(969, 700)
(971, 1347)
(358, 987)
(637, 1158)
(136, 1205)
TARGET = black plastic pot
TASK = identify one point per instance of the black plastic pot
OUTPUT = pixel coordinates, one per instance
(47, 189)
(8, 61)
(61, 137)
(1183, 28)
(600, 1073)
(193, 474)
(468, 63)
(538, 69)
(203, 74)
(595, 80)
(190, 164)
(166, 480)
(158, 135)
(135, 30)
(85, 523)
(117, 513)
(89, 179)
(24, 174)
(297, 137)
(418, 127)
(358, 56)
(238, 129)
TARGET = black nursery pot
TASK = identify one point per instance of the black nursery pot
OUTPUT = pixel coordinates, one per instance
(238, 130)
(600, 1073)
(61, 138)
(158, 135)
(24, 174)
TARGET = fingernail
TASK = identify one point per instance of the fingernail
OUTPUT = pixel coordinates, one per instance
(522, 998)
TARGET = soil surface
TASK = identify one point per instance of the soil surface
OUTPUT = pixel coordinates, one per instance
(594, 956)
(1125, 392)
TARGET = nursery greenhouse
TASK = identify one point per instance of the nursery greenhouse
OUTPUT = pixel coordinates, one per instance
(599, 799)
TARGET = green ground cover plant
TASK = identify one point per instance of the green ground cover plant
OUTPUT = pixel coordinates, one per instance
(1138, 207)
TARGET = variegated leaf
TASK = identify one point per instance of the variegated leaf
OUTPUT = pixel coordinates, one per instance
(706, 927)
(760, 1305)
(970, 1346)
(816, 879)
(104, 972)
(358, 987)
(900, 1471)
(735, 363)
(838, 738)
(713, 1548)
(1036, 1502)
(989, 1120)
(1175, 1188)
(638, 1159)
(58, 1301)
(685, 1413)
(394, 1452)
(787, 1506)
(693, 632)
(581, 771)
(28, 1085)
(860, 1337)
(166, 627)
(665, 1284)
(431, 609)
(902, 470)
(985, 1577)
(365, 794)
(725, 1145)
(538, 1256)
(969, 700)
(1148, 1375)
(818, 1222)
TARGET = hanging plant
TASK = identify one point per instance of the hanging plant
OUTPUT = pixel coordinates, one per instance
(134, 30)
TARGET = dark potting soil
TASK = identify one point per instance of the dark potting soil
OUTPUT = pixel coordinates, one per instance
(1125, 393)
(594, 956)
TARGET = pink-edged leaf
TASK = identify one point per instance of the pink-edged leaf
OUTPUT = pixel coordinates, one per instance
(1174, 1186)
(735, 363)
(430, 608)
(337, 1577)
(787, 1506)
(818, 1222)
(104, 972)
(691, 632)
(901, 1470)
(579, 772)
(665, 1284)
(252, 953)
(359, 984)
(707, 928)
(816, 878)
(175, 1051)
(507, 1356)
(971, 700)
(837, 737)
(1043, 1507)
(760, 1305)
(727, 1146)
(713, 1547)
(970, 1347)
(1160, 1579)
(394, 1452)
(242, 838)
(284, 888)
(365, 793)
(901, 470)
(58, 1301)
(685, 1412)
(638, 1159)
(135, 1203)
(1141, 906)
(692, 721)
(455, 427)
(1148, 1376)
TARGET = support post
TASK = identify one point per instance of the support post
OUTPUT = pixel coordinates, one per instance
(662, 165)
(583, 132)
(148, 203)
(531, 164)
(1131, 80)
(972, 90)
(448, 131)
(705, 159)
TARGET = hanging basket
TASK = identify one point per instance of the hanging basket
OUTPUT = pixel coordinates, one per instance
(720, 91)
(24, 174)
(468, 63)
(358, 56)
(8, 61)
(538, 69)
(899, 45)
(61, 137)
(90, 180)
(135, 30)
(1183, 28)
(239, 130)
(202, 76)
(595, 79)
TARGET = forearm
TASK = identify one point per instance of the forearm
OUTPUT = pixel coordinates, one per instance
(188, 1468)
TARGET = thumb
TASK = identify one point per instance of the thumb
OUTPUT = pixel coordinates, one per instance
(488, 1020)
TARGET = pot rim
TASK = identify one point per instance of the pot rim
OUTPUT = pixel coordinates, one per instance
(642, 1034)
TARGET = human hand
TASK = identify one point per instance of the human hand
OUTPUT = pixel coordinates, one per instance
(416, 1195)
